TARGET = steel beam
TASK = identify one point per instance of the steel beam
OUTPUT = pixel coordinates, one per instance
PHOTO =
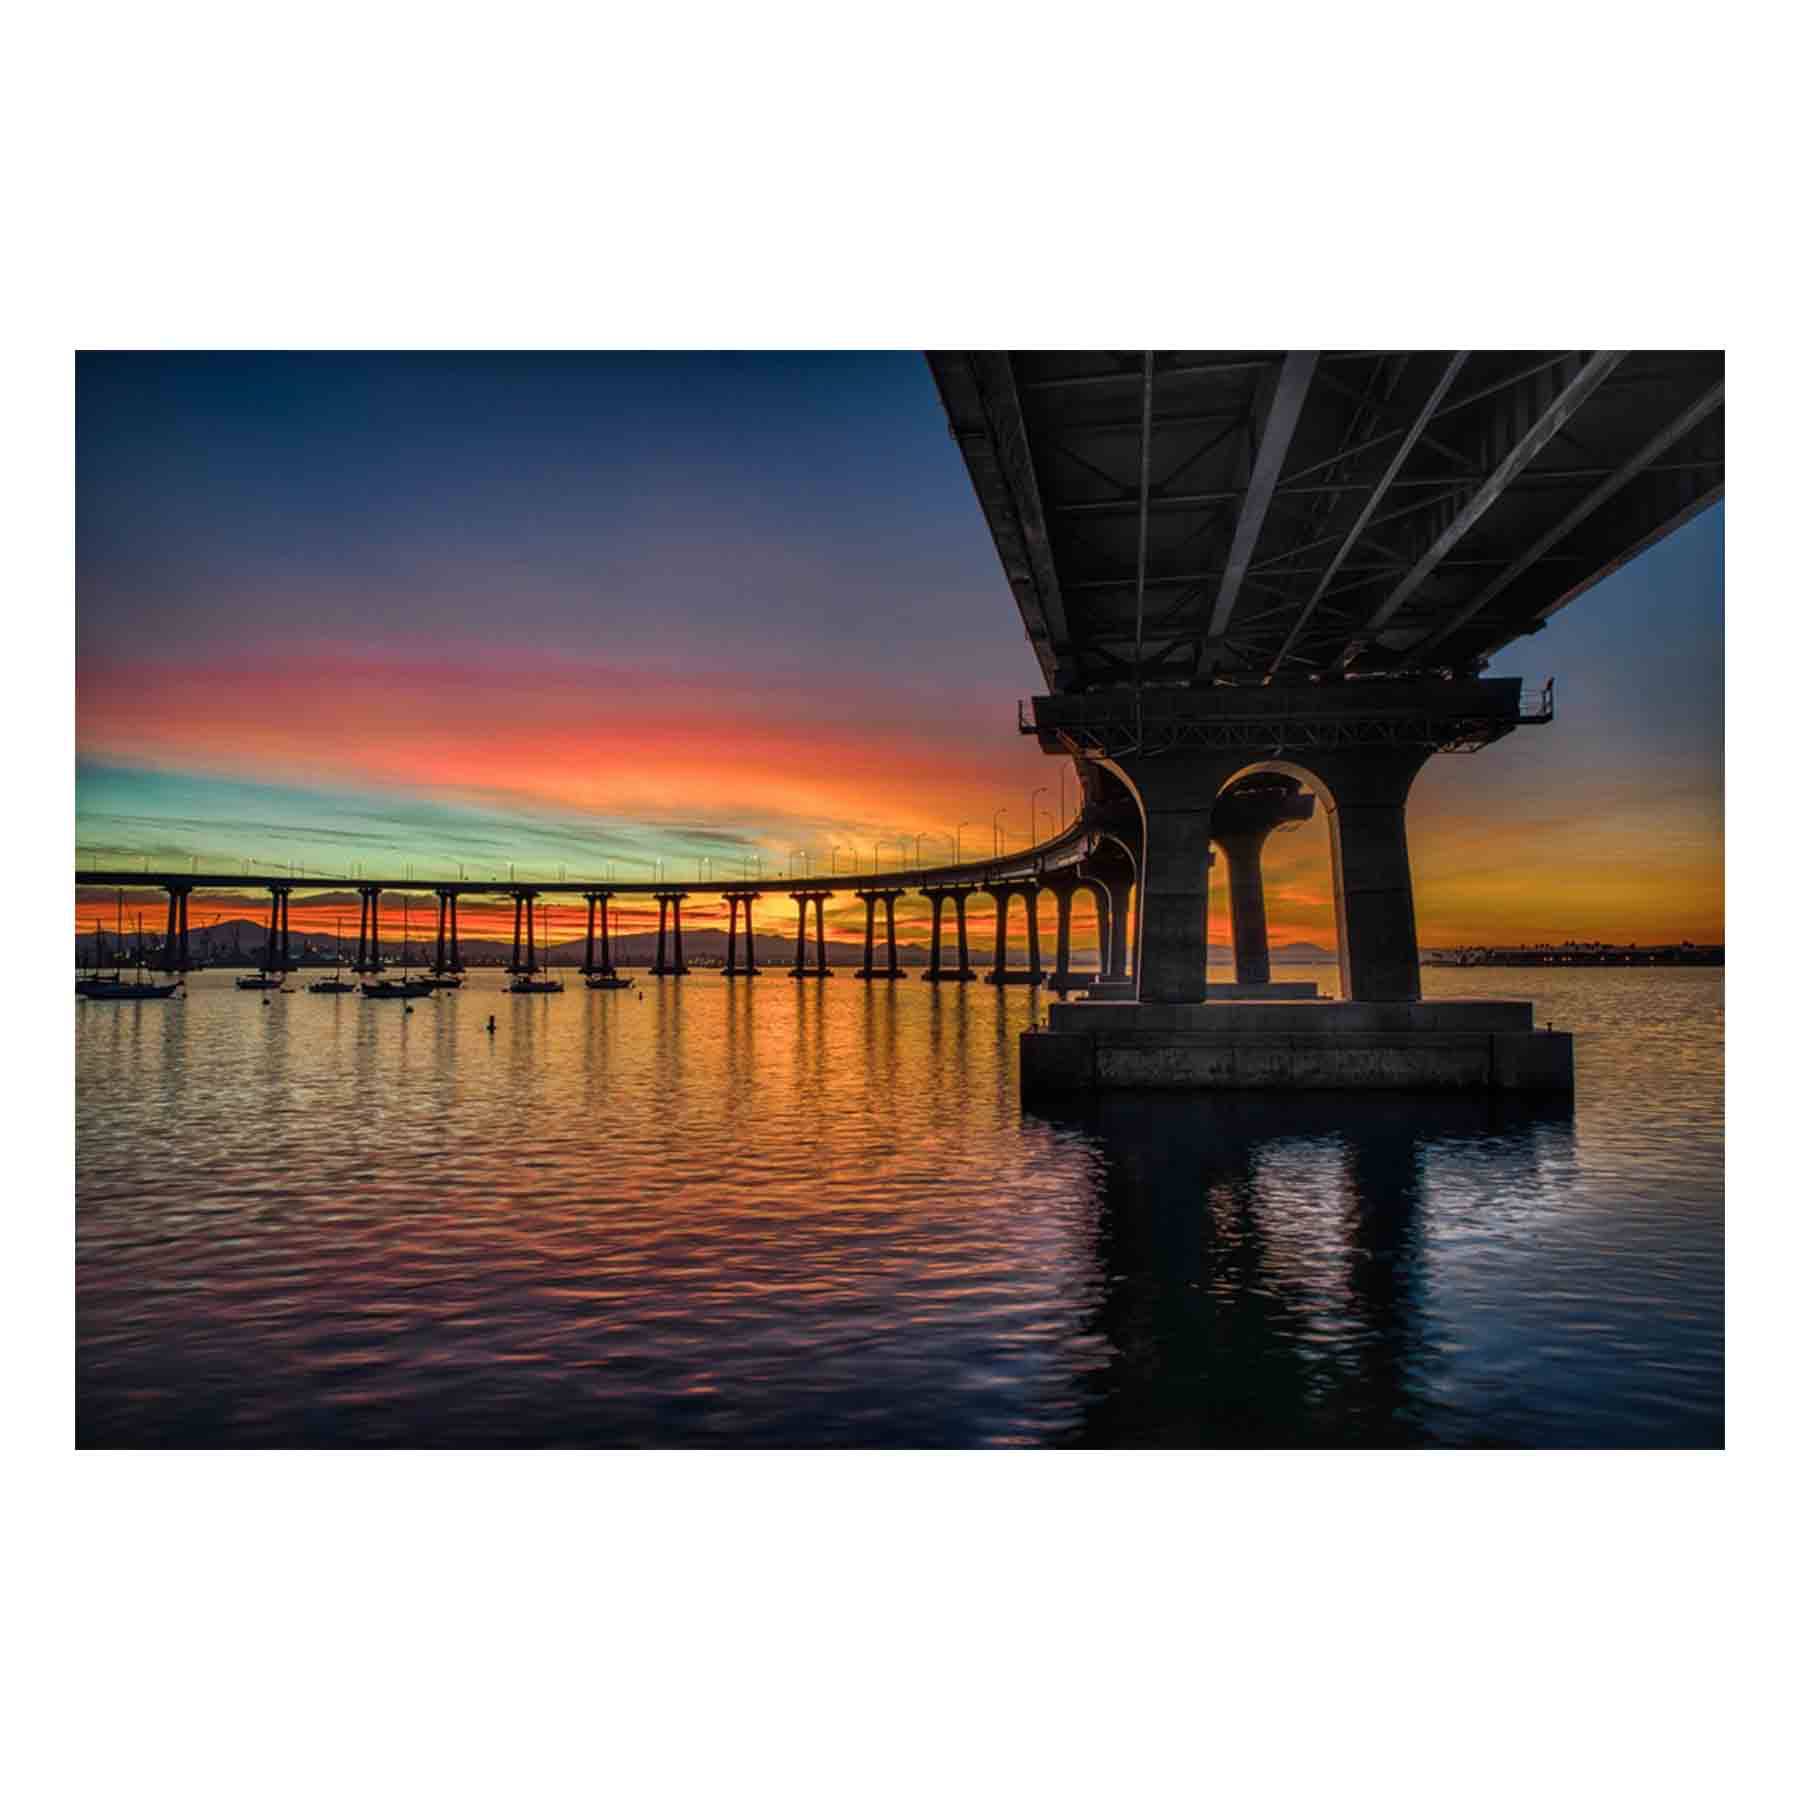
(1278, 434)
(1666, 439)
(1417, 430)
(1542, 429)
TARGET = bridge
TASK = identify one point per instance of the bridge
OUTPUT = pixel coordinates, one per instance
(1254, 583)
(1298, 564)
(1075, 860)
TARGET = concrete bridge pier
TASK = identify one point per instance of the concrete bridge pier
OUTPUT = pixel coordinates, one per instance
(734, 899)
(588, 966)
(448, 960)
(1381, 1035)
(891, 971)
(1002, 898)
(668, 913)
(1063, 888)
(1033, 973)
(959, 897)
(175, 938)
(278, 957)
(1244, 817)
(802, 970)
(368, 932)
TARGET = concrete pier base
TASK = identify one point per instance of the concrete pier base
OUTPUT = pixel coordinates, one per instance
(1400, 1046)
(949, 975)
(1261, 990)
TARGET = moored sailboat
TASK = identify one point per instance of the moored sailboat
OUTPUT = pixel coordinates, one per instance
(334, 983)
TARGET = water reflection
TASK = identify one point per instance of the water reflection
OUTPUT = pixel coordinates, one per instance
(797, 1212)
(1262, 1261)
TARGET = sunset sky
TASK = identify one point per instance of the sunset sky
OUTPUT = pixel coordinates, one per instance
(590, 610)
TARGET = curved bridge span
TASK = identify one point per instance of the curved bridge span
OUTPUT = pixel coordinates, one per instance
(1086, 856)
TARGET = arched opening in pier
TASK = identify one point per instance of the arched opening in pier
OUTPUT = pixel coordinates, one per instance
(1272, 909)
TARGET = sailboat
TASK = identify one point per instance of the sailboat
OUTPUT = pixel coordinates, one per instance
(528, 983)
(406, 987)
(334, 983)
(115, 986)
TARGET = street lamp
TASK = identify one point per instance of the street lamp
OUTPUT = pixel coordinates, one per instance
(918, 846)
(999, 835)
(959, 825)
(1033, 810)
(1062, 810)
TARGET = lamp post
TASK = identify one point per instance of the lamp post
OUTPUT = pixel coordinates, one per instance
(1062, 810)
(918, 847)
(999, 835)
(1034, 794)
(959, 828)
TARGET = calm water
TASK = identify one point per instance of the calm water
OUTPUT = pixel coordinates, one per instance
(797, 1213)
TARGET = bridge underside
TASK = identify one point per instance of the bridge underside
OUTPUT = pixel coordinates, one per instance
(1234, 566)
(1182, 516)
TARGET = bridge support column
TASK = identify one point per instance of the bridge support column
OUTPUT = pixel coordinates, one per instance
(1244, 816)
(1002, 896)
(799, 968)
(964, 972)
(668, 913)
(819, 899)
(936, 970)
(456, 961)
(606, 961)
(273, 960)
(1378, 937)
(1034, 973)
(1249, 914)
(531, 961)
(175, 938)
(750, 967)
(587, 953)
(1064, 892)
(440, 963)
(894, 970)
(516, 966)
(867, 970)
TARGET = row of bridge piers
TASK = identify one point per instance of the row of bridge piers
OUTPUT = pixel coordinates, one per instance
(1241, 825)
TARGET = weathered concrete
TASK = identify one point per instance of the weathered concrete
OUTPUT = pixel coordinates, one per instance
(1417, 1046)
(1262, 990)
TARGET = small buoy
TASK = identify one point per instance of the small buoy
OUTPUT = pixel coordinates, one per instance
(265, 999)
(490, 1023)
(409, 1008)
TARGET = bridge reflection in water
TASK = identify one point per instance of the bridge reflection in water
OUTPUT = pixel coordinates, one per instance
(1263, 1266)
(803, 1213)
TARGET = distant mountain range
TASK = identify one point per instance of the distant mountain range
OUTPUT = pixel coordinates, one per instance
(700, 944)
